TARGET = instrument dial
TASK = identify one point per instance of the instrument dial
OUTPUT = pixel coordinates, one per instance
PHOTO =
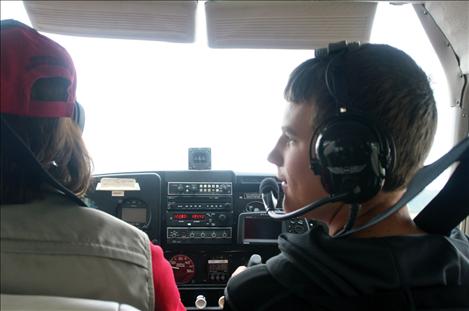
(183, 268)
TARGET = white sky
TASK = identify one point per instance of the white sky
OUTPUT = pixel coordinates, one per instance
(147, 102)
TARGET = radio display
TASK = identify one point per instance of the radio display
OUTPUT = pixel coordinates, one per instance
(183, 216)
(198, 216)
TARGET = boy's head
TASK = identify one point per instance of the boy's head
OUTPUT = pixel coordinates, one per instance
(383, 85)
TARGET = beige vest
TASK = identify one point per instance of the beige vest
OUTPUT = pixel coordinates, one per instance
(54, 247)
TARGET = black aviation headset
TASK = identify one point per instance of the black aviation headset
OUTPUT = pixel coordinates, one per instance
(78, 115)
(350, 153)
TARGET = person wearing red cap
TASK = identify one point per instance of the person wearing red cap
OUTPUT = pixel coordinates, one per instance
(50, 245)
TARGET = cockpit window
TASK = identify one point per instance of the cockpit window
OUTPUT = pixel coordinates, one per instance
(148, 102)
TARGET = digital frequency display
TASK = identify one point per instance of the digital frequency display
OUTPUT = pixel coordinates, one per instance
(184, 216)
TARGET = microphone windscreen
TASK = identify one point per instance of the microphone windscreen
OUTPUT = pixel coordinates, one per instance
(267, 185)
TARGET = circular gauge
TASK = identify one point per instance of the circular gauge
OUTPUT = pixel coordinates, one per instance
(183, 268)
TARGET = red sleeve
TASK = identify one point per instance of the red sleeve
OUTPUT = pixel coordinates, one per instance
(166, 292)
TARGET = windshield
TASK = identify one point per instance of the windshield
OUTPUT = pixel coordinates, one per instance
(148, 102)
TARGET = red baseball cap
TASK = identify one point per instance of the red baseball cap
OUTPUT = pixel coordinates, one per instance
(27, 57)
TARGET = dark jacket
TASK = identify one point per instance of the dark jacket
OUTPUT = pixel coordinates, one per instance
(317, 271)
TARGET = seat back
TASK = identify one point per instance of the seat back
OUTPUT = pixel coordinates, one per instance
(10, 302)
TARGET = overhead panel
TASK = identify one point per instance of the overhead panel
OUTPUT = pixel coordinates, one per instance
(171, 21)
(287, 24)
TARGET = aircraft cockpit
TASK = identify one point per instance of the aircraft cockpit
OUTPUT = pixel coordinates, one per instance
(184, 103)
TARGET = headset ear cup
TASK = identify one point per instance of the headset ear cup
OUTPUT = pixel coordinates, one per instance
(347, 153)
(390, 155)
(314, 163)
(79, 115)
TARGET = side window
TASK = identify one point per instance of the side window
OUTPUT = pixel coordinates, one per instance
(387, 30)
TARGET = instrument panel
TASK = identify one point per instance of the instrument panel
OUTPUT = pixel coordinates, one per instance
(207, 222)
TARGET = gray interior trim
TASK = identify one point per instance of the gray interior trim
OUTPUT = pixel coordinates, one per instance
(446, 54)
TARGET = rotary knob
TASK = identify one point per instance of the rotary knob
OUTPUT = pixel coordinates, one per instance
(200, 302)
(222, 217)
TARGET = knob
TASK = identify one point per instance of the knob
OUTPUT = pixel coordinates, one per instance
(298, 229)
(254, 260)
(222, 217)
(221, 301)
(200, 302)
(180, 188)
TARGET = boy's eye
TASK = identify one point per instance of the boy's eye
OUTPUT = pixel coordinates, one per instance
(288, 139)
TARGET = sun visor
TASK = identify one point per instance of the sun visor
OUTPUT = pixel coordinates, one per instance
(287, 24)
(171, 21)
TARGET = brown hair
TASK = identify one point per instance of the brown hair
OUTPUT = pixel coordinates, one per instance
(57, 145)
(388, 87)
